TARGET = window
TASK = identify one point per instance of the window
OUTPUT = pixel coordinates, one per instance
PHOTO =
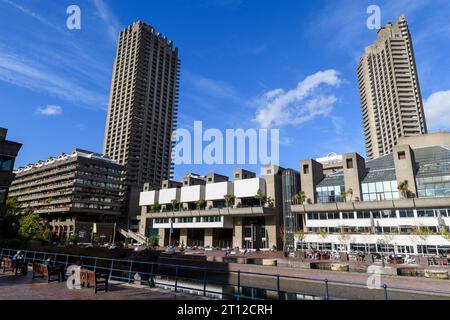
(388, 214)
(429, 213)
(313, 216)
(6, 163)
(401, 155)
(406, 213)
(363, 215)
(379, 191)
(329, 194)
(433, 186)
(444, 212)
(306, 169)
(333, 216)
(348, 215)
(349, 163)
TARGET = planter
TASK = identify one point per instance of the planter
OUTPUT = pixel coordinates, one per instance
(340, 267)
(269, 262)
(437, 274)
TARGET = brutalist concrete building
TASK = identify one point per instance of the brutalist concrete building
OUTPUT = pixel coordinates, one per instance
(8, 153)
(81, 186)
(142, 110)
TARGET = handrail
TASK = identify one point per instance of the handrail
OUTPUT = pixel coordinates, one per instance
(133, 268)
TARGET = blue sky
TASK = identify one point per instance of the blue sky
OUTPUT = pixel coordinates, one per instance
(238, 57)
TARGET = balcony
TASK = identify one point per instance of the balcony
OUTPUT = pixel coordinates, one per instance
(241, 212)
(414, 203)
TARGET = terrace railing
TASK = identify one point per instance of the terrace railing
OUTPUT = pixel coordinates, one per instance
(226, 284)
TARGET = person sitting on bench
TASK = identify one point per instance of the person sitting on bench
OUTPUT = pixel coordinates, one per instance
(52, 266)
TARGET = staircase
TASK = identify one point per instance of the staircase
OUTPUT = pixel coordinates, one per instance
(136, 236)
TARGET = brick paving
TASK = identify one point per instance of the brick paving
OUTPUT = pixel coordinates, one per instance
(24, 288)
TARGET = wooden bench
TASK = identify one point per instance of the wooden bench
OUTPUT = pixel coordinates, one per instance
(11, 265)
(90, 278)
(43, 271)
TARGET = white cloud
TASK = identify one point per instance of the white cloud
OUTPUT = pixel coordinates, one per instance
(301, 104)
(49, 110)
(31, 14)
(437, 110)
(19, 71)
(105, 13)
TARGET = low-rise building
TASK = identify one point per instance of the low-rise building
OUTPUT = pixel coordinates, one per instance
(213, 212)
(396, 203)
(82, 186)
(8, 153)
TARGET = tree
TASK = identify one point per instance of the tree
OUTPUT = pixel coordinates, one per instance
(174, 205)
(12, 206)
(229, 199)
(156, 207)
(445, 232)
(48, 236)
(261, 198)
(299, 236)
(153, 241)
(350, 193)
(343, 237)
(31, 227)
(9, 227)
(403, 187)
(300, 197)
(200, 204)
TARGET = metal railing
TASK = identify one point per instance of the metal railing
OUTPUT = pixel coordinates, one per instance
(218, 283)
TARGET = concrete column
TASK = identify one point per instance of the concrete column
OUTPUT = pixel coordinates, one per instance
(354, 172)
(311, 174)
(162, 238)
(184, 237)
(143, 224)
(208, 238)
(405, 167)
(272, 233)
(238, 232)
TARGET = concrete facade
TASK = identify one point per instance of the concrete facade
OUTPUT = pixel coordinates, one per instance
(8, 154)
(142, 111)
(249, 223)
(378, 218)
(391, 100)
(80, 186)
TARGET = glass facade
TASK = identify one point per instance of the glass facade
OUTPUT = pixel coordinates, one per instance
(6, 163)
(433, 186)
(378, 191)
(330, 194)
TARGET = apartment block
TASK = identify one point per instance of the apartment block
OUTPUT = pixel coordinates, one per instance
(8, 153)
(142, 111)
(72, 188)
(391, 101)
(212, 212)
(367, 206)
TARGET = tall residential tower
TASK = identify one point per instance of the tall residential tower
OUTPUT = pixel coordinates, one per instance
(142, 110)
(391, 101)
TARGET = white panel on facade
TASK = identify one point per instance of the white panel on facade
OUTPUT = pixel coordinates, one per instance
(167, 195)
(192, 194)
(217, 191)
(148, 198)
(249, 187)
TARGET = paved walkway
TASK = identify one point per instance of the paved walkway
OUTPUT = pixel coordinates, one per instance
(24, 288)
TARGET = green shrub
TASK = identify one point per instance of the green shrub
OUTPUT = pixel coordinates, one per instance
(153, 241)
